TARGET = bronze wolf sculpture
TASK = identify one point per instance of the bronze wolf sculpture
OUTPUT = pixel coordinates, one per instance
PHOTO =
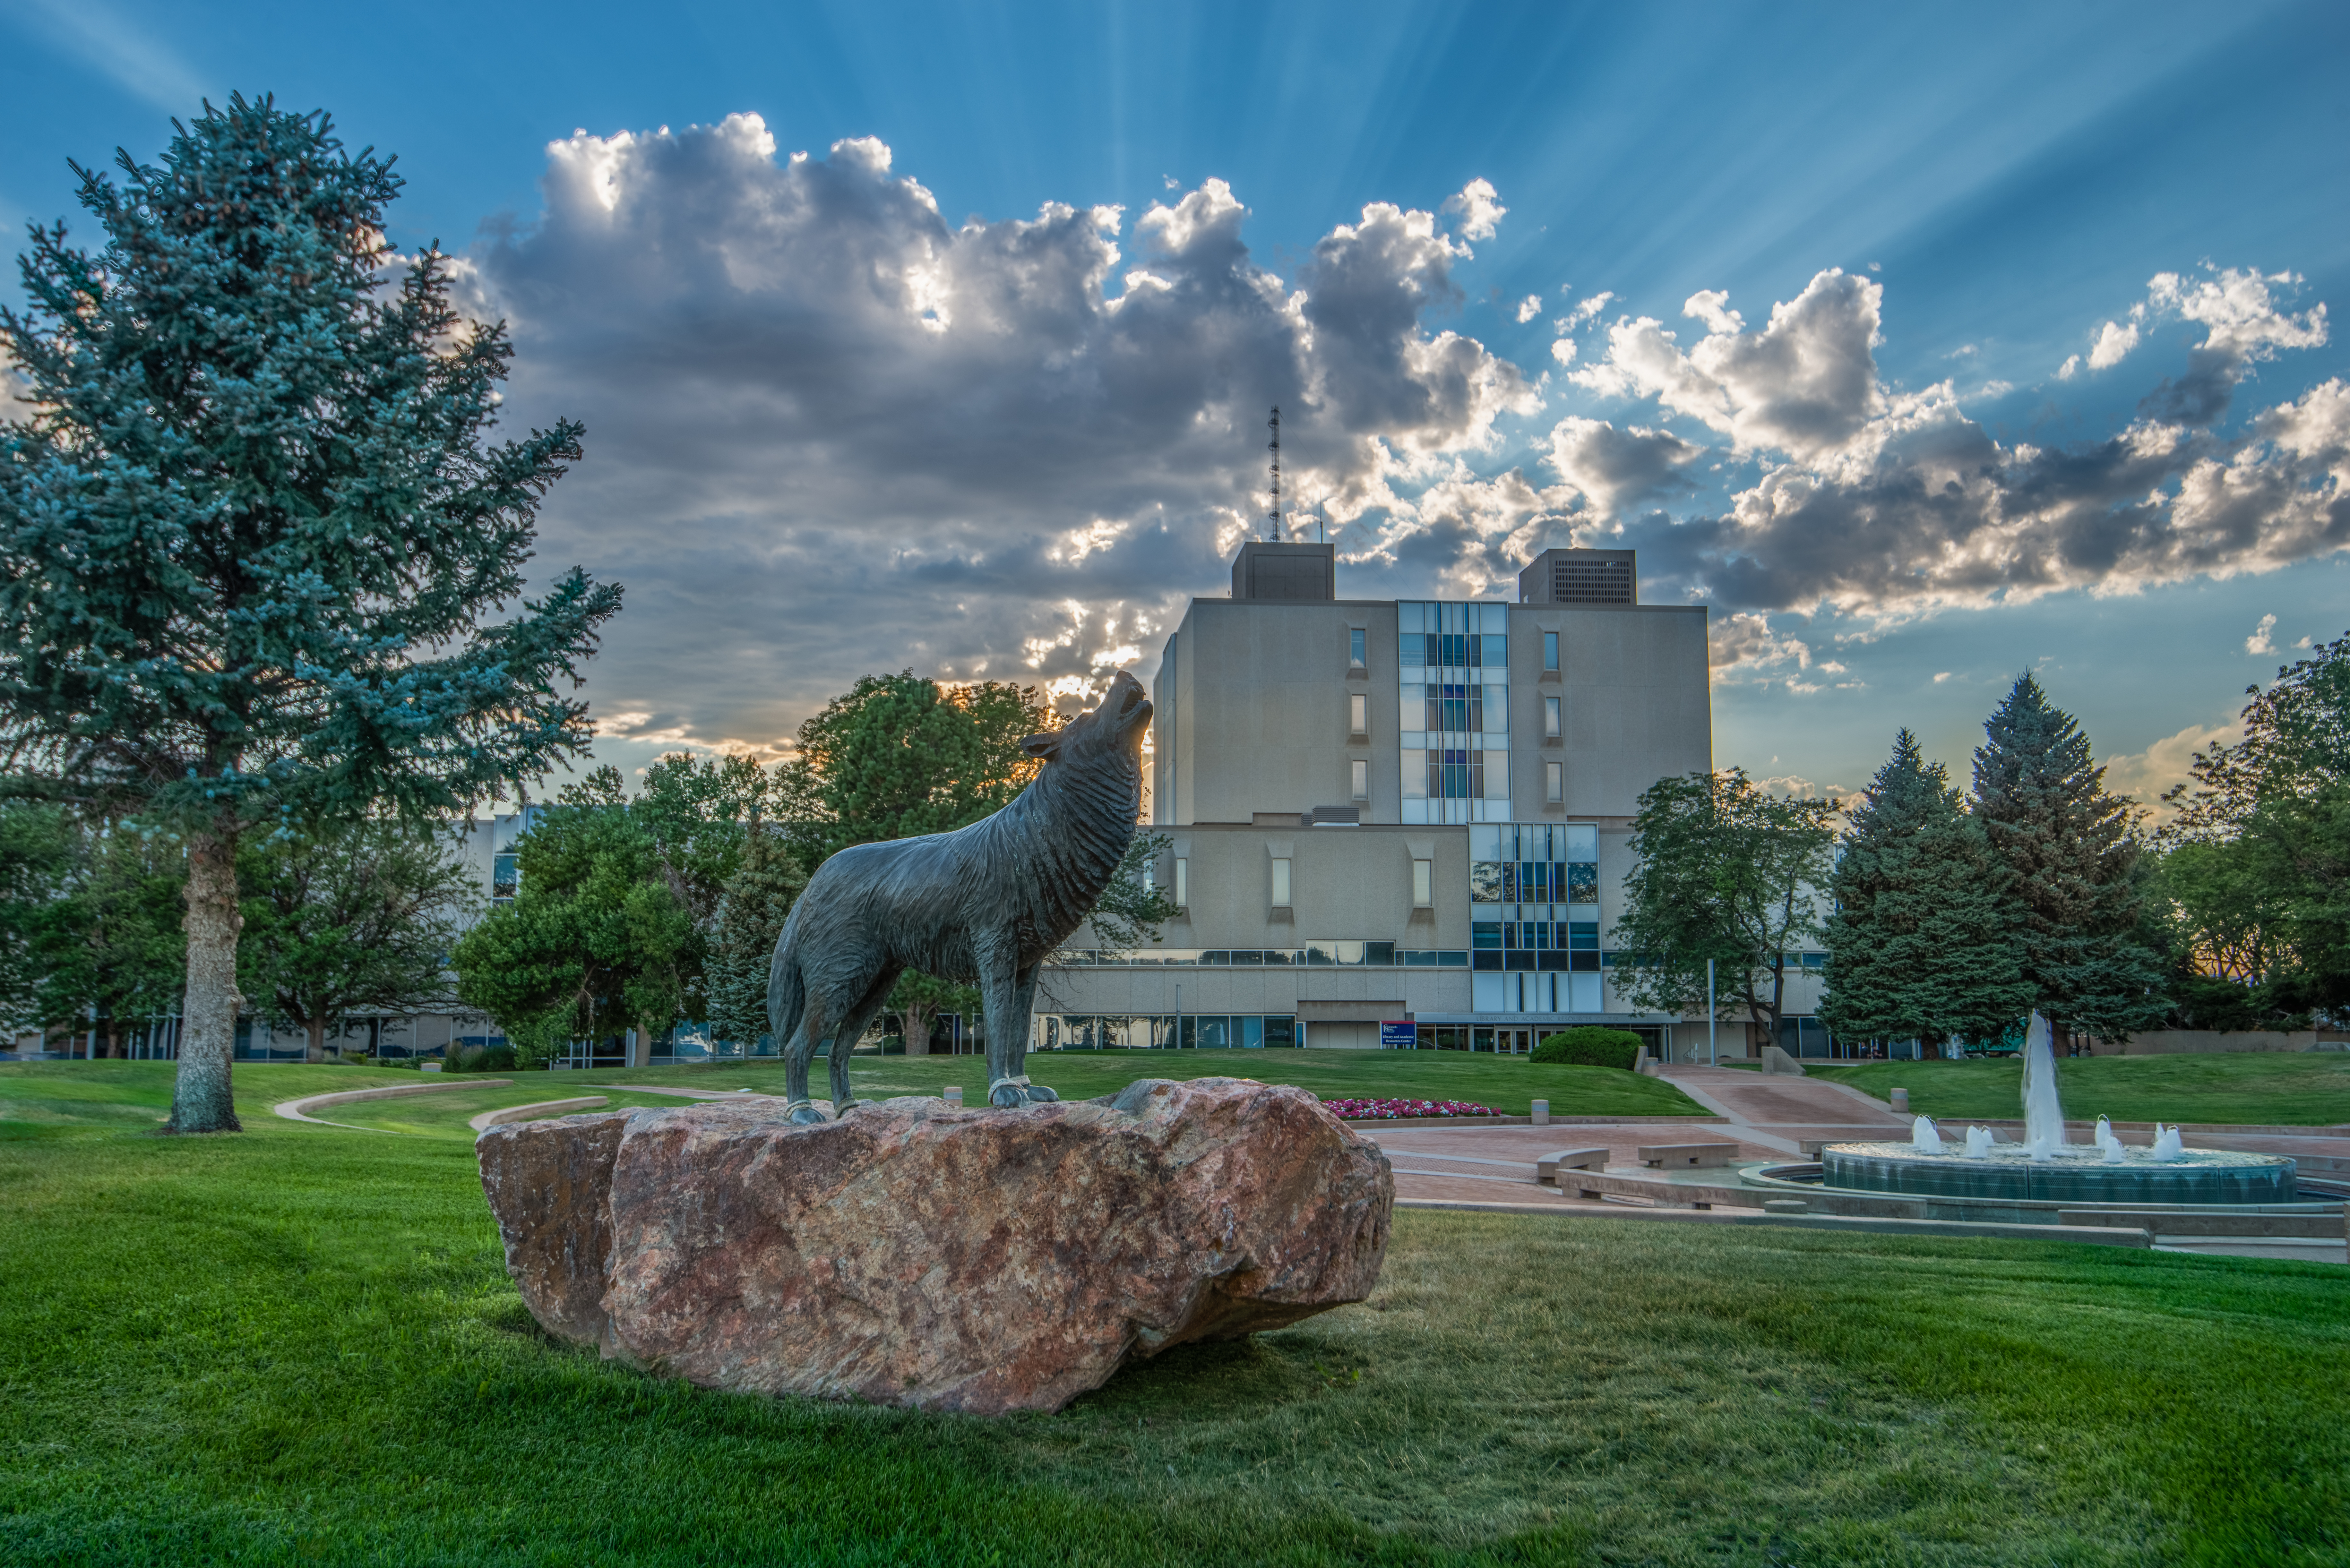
(985, 903)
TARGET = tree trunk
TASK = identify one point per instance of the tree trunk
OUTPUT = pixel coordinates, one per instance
(318, 1049)
(201, 1098)
(915, 1022)
(113, 1040)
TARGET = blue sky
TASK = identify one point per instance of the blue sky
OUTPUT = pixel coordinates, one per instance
(1009, 458)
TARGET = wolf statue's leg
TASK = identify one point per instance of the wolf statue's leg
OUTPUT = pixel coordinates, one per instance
(1008, 1020)
(1024, 1001)
(814, 1024)
(851, 1030)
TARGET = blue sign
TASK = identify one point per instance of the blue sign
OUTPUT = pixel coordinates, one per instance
(1399, 1035)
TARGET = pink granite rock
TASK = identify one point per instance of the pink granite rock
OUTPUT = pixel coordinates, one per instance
(982, 1261)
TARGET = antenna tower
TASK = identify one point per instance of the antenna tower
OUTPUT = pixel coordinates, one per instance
(1275, 425)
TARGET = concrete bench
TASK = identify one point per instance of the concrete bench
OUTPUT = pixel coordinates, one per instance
(1548, 1168)
(1687, 1154)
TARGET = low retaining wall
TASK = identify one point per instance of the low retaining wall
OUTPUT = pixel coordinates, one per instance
(2179, 1042)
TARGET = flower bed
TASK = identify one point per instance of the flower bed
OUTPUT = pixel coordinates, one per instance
(1397, 1110)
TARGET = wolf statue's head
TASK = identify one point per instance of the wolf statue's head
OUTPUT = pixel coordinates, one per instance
(1109, 732)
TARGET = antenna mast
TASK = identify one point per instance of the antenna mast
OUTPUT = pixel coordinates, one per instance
(1275, 425)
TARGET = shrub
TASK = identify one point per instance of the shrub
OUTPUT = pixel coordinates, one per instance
(1590, 1046)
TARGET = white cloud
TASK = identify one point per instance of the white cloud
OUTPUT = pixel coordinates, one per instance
(2259, 641)
(2240, 311)
(1588, 310)
(2145, 775)
(2114, 343)
(1562, 350)
(1805, 384)
(1480, 210)
(806, 391)
(1529, 307)
(2069, 368)
(1940, 676)
(1619, 468)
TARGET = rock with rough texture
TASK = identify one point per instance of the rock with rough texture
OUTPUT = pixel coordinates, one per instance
(982, 1261)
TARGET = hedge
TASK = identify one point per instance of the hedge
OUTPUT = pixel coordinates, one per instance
(1590, 1046)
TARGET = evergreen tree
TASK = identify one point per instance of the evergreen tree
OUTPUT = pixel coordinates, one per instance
(1919, 945)
(2073, 853)
(757, 901)
(250, 532)
(1722, 871)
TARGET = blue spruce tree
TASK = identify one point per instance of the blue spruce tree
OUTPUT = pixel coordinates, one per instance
(251, 535)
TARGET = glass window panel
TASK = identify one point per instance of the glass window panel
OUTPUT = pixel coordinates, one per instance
(1497, 652)
(1583, 934)
(1555, 782)
(1582, 883)
(1415, 778)
(1493, 619)
(505, 875)
(1495, 784)
(1550, 717)
(1280, 881)
(1550, 651)
(1497, 709)
(1182, 882)
(1582, 842)
(1411, 706)
(1423, 892)
(1359, 778)
(1358, 712)
(1410, 650)
(1485, 844)
(1250, 957)
(1356, 637)
(1379, 955)
(1488, 882)
(1476, 790)
(1485, 934)
(1476, 708)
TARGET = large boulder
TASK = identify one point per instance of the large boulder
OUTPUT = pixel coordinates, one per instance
(980, 1260)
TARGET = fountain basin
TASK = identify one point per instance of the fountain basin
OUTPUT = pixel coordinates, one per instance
(2073, 1173)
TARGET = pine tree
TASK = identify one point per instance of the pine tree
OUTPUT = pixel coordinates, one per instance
(250, 532)
(750, 916)
(1920, 946)
(2072, 850)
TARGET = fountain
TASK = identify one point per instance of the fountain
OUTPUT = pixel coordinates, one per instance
(2046, 1168)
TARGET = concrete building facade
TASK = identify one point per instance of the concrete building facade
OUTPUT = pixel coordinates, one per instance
(1398, 820)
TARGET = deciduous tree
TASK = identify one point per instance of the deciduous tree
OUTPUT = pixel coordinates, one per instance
(1726, 871)
(354, 916)
(251, 532)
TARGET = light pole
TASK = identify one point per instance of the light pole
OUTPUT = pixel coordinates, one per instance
(1179, 1017)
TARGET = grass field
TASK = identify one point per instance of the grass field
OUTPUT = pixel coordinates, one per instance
(2296, 1089)
(299, 1346)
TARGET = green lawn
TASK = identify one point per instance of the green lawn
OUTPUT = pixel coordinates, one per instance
(299, 1346)
(2297, 1089)
(1508, 1084)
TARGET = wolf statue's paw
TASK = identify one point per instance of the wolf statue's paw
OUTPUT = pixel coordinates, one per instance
(803, 1114)
(842, 1107)
(1010, 1093)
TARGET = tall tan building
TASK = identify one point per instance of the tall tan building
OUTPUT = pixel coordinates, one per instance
(1397, 817)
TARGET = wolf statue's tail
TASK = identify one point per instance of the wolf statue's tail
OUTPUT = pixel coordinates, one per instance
(786, 991)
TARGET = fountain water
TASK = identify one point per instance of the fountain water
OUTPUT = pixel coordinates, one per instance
(2043, 1118)
(2046, 1170)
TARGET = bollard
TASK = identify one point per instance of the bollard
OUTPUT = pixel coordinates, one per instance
(1901, 1098)
(954, 1095)
(1542, 1113)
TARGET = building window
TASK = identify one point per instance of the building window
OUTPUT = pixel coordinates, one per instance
(1182, 883)
(1417, 771)
(1550, 651)
(1422, 884)
(1354, 647)
(1495, 717)
(505, 875)
(1550, 717)
(1361, 772)
(1554, 782)
(1280, 882)
(1358, 713)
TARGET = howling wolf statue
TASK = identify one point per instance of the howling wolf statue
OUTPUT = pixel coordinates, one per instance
(985, 903)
